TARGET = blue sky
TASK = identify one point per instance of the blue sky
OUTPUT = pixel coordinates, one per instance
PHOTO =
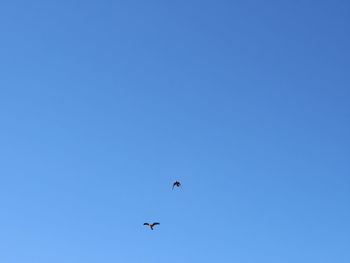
(104, 103)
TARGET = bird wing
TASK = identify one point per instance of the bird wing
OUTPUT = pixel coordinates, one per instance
(145, 224)
(155, 223)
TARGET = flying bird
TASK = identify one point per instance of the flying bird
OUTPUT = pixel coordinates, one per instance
(177, 184)
(151, 225)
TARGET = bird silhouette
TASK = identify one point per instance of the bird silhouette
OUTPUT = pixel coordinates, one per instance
(177, 184)
(151, 225)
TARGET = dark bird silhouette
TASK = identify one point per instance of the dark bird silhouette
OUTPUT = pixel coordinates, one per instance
(151, 225)
(177, 184)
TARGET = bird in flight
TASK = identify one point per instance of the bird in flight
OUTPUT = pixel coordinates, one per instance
(177, 184)
(151, 225)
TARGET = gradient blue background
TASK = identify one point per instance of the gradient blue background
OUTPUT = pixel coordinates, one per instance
(104, 103)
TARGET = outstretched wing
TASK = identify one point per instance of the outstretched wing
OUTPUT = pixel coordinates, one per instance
(145, 224)
(155, 223)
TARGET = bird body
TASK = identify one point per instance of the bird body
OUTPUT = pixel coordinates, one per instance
(177, 184)
(151, 225)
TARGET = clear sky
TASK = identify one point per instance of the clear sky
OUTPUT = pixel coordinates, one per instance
(103, 104)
